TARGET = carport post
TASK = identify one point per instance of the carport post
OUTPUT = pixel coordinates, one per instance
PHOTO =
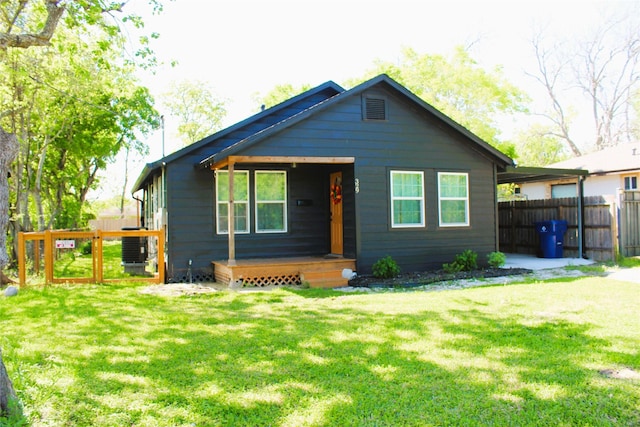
(581, 253)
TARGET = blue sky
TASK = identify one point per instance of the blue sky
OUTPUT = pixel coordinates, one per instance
(245, 47)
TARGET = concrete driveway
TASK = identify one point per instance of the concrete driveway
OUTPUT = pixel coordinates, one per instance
(532, 262)
(625, 274)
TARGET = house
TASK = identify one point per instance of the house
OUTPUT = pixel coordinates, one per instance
(610, 170)
(328, 176)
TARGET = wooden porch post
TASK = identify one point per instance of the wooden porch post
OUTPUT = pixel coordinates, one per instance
(232, 220)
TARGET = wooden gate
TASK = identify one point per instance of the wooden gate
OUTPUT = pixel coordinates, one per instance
(630, 222)
(60, 238)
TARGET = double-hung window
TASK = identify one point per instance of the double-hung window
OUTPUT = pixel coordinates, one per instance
(630, 182)
(453, 199)
(240, 201)
(271, 201)
(407, 199)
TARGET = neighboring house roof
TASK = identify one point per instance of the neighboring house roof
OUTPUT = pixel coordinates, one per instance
(256, 128)
(621, 158)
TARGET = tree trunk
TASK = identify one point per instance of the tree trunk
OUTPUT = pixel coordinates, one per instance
(37, 191)
(6, 389)
(126, 178)
(4, 280)
(8, 152)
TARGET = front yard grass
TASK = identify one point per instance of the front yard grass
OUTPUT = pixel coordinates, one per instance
(517, 355)
(75, 264)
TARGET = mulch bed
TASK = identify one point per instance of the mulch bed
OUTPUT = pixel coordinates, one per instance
(427, 277)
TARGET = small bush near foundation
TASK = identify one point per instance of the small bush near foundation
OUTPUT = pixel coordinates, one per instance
(385, 268)
(466, 261)
(496, 259)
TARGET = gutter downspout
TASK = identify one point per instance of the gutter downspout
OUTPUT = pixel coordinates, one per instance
(496, 213)
(140, 211)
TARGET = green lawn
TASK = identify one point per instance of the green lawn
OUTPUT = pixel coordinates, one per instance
(75, 264)
(517, 355)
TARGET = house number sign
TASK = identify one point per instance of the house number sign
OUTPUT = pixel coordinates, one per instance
(65, 244)
(357, 182)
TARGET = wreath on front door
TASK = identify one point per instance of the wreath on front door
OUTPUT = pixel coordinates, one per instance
(336, 193)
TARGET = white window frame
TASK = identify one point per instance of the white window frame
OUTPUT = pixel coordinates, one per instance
(393, 198)
(442, 198)
(235, 202)
(281, 202)
(559, 191)
(629, 179)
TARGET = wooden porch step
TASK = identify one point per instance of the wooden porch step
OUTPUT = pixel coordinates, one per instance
(324, 279)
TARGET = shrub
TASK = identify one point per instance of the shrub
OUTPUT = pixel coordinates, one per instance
(466, 261)
(452, 268)
(86, 247)
(496, 259)
(385, 268)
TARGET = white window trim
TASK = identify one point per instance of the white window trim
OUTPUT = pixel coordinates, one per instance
(563, 185)
(392, 199)
(282, 202)
(630, 179)
(466, 200)
(219, 202)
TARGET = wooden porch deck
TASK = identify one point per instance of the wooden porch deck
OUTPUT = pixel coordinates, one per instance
(319, 272)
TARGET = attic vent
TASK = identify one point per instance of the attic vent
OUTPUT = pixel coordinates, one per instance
(375, 109)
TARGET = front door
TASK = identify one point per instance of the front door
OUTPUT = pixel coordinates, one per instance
(336, 212)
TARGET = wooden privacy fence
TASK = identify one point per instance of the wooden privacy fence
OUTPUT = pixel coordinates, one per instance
(600, 224)
(51, 239)
(630, 223)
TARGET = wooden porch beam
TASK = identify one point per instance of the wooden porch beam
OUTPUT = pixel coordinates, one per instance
(283, 159)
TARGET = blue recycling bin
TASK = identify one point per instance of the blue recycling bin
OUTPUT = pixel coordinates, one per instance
(551, 237)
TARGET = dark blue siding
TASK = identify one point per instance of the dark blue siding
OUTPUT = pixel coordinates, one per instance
(408, 140)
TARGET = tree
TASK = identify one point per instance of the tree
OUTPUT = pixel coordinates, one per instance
(474, 97)
(8, 151)
(100, 112)
(601, 70)
(539, 147)
(29, 23)
(7, 393)
(280, 93)
(25, 24)
(635, 102)
(198, 111)
(15, 12)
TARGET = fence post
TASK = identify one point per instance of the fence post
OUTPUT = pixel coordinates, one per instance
(512, 209)
(22, 268)
(615, 237)
(97, 244)
(48, 257)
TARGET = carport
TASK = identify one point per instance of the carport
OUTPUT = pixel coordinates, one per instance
(522, 174)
